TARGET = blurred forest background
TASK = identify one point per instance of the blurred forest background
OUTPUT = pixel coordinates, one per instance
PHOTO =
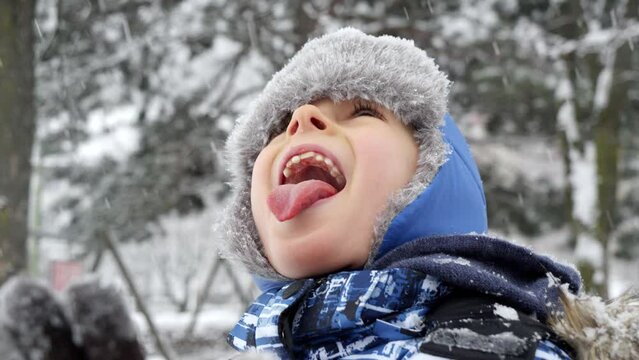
(113, 114)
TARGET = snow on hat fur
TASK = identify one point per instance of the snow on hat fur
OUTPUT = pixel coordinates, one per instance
(343, 65)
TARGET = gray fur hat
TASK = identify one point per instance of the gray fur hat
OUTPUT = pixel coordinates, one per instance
(343, 65)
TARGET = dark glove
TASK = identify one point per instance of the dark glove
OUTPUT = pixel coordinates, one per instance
(89, 322)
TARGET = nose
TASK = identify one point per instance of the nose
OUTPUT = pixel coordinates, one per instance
(307, 118)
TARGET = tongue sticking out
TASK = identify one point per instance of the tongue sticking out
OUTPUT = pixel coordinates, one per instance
(288, 200)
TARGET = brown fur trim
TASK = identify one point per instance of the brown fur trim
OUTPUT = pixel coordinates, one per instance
(599, 329)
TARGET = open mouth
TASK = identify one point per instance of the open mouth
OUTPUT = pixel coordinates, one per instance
(307, 177)
(312, 165)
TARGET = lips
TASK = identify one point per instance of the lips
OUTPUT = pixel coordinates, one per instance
(308, 173)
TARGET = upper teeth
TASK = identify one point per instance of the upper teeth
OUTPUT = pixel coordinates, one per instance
(332, 169)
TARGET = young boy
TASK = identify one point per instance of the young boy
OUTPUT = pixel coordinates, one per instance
(353, 197)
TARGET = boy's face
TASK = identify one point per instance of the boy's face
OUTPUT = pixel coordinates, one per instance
(311, 227)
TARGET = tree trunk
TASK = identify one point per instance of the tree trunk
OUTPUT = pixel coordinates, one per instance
(568, 145)
(607, 139)
(610, 85)
(571, 31)
(17, 124)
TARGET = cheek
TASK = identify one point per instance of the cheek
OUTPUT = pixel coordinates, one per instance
(386, 163)
(261, 184)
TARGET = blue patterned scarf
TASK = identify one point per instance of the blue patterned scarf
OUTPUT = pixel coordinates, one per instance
(369, 311)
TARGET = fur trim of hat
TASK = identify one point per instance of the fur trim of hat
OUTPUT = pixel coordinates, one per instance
(343, 65)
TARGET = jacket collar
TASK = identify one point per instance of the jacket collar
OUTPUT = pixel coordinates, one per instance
(513, 274)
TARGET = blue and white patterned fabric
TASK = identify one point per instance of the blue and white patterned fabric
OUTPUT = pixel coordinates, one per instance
(367, 314)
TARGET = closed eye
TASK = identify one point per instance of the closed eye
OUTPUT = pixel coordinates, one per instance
(366, 108)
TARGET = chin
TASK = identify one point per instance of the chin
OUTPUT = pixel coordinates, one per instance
(316, 253)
